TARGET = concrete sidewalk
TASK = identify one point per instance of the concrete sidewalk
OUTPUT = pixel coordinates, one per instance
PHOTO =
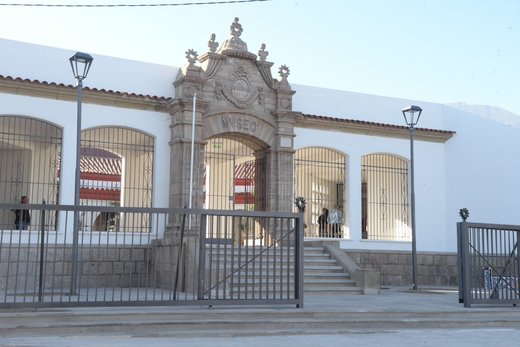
(397, 316)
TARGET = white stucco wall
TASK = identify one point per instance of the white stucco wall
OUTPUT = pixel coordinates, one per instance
(63, 115)
(35, 62)
(430, 174)
(429, 184)
(371, 108)
(482, 165)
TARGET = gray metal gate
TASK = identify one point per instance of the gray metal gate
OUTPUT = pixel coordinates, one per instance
(488, 263)
(185, 257)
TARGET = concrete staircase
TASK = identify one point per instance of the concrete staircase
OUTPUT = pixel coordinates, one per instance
(323, 274)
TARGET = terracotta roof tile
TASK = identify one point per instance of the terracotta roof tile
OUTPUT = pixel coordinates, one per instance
(375, 124)
(101, 90)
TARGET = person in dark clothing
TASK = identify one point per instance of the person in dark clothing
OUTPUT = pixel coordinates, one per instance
(323, 222)
(22, 218)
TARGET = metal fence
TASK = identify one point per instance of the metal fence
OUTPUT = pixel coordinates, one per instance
(184, 257)
(489, 263)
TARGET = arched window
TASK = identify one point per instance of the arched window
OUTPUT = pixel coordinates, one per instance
(116, 170)
(319, 175)
(384, 198)
(29, 163)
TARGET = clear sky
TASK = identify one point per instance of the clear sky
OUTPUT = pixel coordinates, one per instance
(434, 50)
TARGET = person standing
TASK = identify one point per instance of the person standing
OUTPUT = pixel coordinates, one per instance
(22, 218)
(323, 222)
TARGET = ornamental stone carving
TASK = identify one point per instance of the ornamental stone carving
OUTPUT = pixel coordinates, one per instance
(240, 86)
(237, 97)
(212, 44)
(262, 53)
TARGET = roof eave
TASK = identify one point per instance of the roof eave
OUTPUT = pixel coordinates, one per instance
(60, 91)
(371, 128)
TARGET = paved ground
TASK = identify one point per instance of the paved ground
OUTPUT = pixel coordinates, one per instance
(396, 317)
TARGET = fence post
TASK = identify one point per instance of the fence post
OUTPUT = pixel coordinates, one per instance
(460, 264)
(179, 255)
(466, 279)
(202, 257)
(299, 250)
(300, 203)
(42, 251)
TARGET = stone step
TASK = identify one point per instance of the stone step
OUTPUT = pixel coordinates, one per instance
(285, 274)
(328, 277)
(313, 248)
(319, 261)
(311, 268)
(340, 283)
(334, 289)
(276, 280)
(321, 281)
(316, 255)
(145, 323)
(321, 272)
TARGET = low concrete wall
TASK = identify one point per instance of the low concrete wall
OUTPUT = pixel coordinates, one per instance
(395, 267)
(112, 266)
(366, 279)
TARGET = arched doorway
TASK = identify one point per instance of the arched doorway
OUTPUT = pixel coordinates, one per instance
(234, 179)
(234, 176)
(319, 176)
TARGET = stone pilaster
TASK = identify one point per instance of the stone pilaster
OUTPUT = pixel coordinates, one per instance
(181, 157)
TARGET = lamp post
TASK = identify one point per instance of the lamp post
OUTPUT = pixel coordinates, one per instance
(411, 116)
(80, 64)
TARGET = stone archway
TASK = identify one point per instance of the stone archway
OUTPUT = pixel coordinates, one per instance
(231, 93)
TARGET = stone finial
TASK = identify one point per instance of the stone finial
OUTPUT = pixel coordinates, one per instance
(235, 46)
(236, 28)
(300, 203)
(262, 53)
(192, 56)
(464, 214)
(212, 44)
(283, 71)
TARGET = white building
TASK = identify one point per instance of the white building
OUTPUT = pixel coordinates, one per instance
(341, 150)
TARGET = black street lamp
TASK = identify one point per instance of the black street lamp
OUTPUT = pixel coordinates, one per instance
(80, 64)
(411, 116)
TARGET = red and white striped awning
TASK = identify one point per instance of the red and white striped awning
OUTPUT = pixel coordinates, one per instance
(99, 161)
(245, 170)
(245, 174)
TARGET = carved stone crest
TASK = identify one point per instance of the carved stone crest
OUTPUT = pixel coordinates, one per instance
(240, 86)
(238, 92)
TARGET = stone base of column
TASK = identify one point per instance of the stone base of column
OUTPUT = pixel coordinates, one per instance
(177, 268)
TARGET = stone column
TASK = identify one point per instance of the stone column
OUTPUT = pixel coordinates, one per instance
(279, 183)
(178, 249)
(180, 155)
(353, 215)
(280, 165)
